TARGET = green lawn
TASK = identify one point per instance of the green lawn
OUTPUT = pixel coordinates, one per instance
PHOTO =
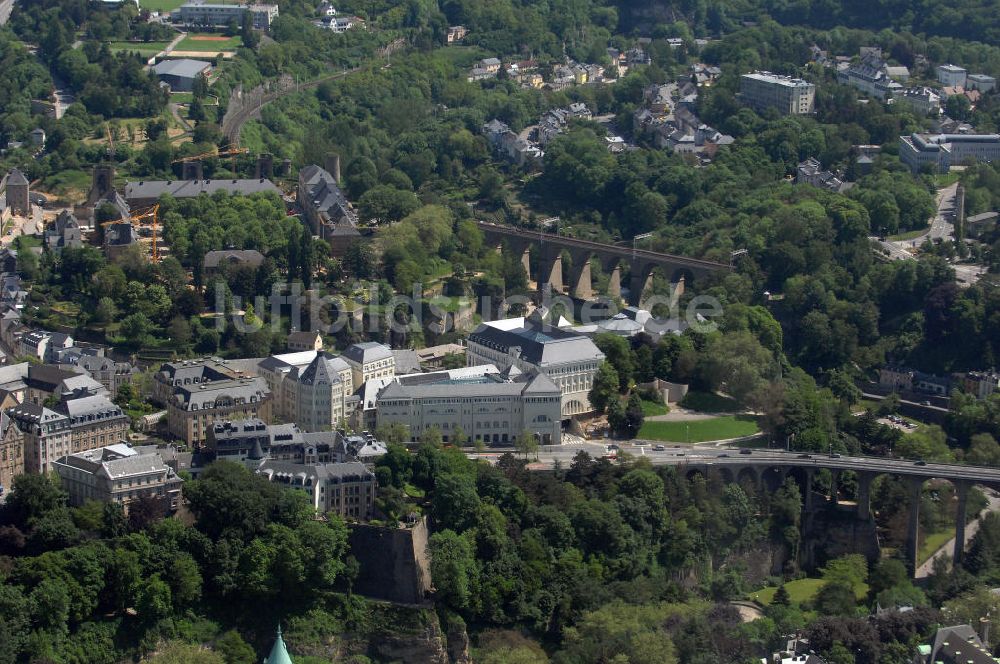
(651, 408)
(143, 48)
(697, 431)
(161, 5)
(909, 235)
(181, 97)
(193, 43)
(800, 591)
(932, 542)
(707, 402)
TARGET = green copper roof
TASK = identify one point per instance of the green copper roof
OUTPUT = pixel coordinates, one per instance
(279, 655)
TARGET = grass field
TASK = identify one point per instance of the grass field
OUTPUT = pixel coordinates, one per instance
(800, 591)
(697, 431)
(143, 48)
(161, 5)
(67, 184)
(932, 542)
(651, 408)
(706, 402)
(209, 43)
(909, 235)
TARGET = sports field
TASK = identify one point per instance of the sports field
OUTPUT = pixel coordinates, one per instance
(208, 43)
(143, 48)
(161, 5)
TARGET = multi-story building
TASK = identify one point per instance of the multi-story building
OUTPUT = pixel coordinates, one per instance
(347, 489)
(47, 435)
(951, 76)
(326, 209)
(981, 82)
(117, 474)
(981, 384)
(370, 360)
(252, 439)
(304, 341)
(789, 96)
(486, 404)
(568, 358)
(940, 152)
(321, 392)
(870, 76)
(45, 381)
(94, 422)
(209, 15)
(112, 375)
(173, 375)
(11, 452)
(924, 101)
(194, 408)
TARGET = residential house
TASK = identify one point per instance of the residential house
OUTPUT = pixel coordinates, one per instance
(870, 76)
(118, 474)
(347, 489)
(811, 172)
(924, 100)
(456, 33)
(303, 341)
(980, 384)
(951, 75)
(216, 261)
(64, 232)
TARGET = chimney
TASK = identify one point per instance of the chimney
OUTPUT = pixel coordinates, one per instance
(333, 166)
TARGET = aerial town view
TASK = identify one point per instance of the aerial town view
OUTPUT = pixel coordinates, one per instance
(506, 332)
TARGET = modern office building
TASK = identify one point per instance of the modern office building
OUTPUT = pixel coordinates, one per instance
(569, 359)
(789, 96)
(481, 402)
(942, 151)
(117, 474)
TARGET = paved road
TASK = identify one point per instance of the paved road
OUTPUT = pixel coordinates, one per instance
(948, 549)
(941, 227)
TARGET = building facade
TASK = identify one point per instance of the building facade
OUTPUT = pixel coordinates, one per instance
(347, 489)
(939, 152)
(569, 359)
(194, 409)
(47, 435)
(326, 209)
(482, 403)
(370, 360)
(787, 95)
(117, 474)
(11, 453)
(209, 15)
(951, 76)
(173, 375)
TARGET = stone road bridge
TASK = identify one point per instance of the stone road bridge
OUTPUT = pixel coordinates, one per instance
(615, 260)
(768, 470)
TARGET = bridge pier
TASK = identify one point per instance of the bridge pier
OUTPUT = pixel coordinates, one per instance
(526, 262)
(583, 288)
(807, 491)
(834, 480)
(865, 495)
(615, 282)
(913, 524)
(638, 285)
(551, 277)
(962, 492)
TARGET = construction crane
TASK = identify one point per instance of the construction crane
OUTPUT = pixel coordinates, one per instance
(138, 221)
(231, 152)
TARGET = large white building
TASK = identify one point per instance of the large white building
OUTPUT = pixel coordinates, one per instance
(870, 76)
(789, 96)
(569, 359)
(942, 151)
(951, 76)
(370, 360)
(212, 15)
(486, 404)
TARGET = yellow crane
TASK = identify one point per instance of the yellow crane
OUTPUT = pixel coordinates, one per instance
(231, 152)
(138, 221)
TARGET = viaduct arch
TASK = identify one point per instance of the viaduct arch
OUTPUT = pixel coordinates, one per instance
(614, 260)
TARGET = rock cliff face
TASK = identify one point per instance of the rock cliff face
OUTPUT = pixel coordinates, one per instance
(420, 640)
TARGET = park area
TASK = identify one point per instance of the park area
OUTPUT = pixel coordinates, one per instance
(147, 49)
(801, 591)
(723, 427)
(208, 43)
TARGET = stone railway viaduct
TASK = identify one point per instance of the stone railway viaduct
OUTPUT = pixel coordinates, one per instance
(769, 471)
(640, 263)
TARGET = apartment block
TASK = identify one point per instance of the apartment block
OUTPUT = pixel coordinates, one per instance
(789, 96)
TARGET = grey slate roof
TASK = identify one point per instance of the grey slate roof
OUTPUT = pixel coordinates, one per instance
(182, 68)
(325, 369)
(153, 189)
(489, 385)
(253, 390)
(16, 177)
(368, 351)
(540, 344)
(85, 409)
(407, 361)
(325, 195)
(352, 471)
(237, 256)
